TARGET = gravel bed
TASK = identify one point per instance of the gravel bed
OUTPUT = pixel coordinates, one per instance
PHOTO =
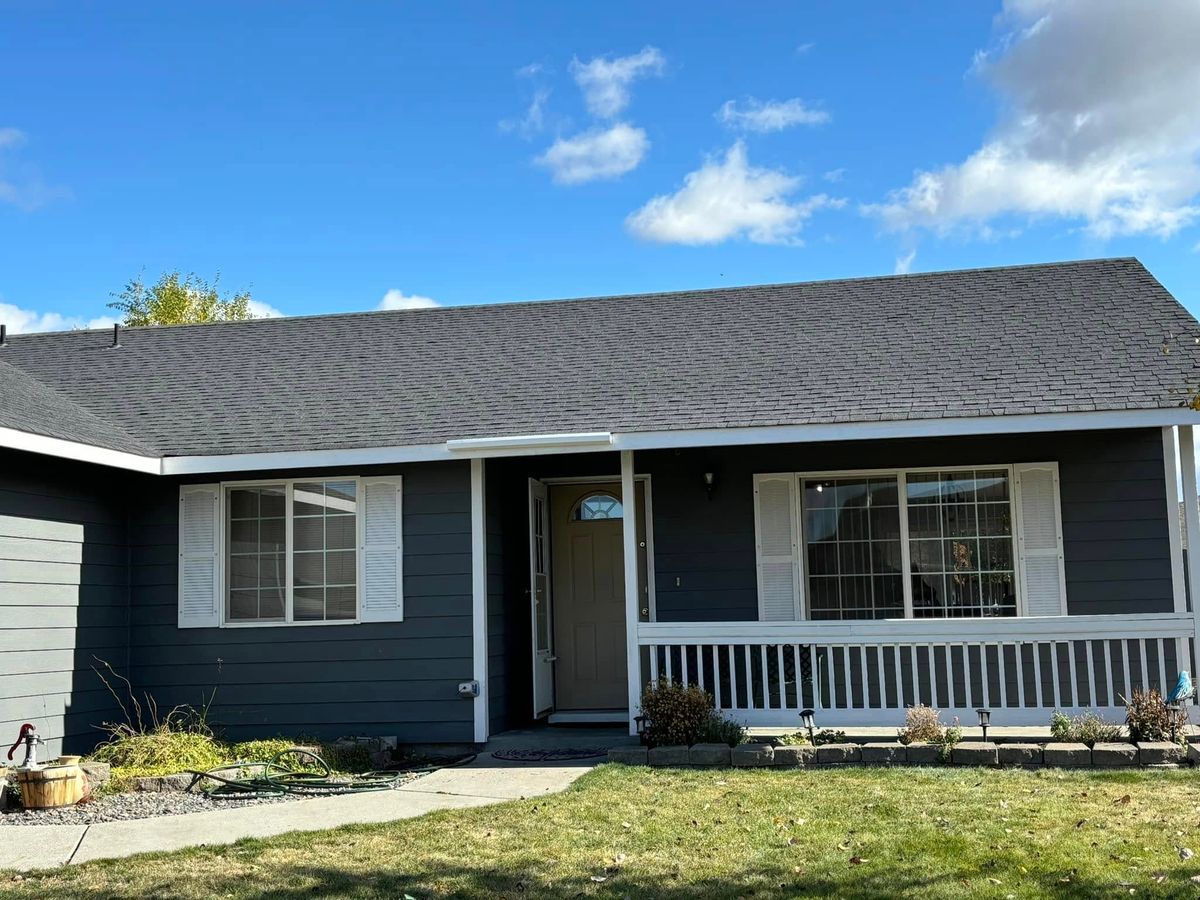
(144, 805)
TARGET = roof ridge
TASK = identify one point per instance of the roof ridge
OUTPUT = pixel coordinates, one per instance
(594, 298)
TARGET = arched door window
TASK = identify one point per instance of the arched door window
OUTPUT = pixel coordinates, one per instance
(597, 507)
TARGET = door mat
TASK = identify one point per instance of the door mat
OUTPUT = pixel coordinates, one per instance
(556, 755)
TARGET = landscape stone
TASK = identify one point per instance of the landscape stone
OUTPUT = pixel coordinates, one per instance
(1193, 753)
(795, 755)
(1067, 755)
(884, 753)
(1159, 753)
(1019, 754)
(180, 782)
(1114, 754)
(750, 755)
(975, 753)
(676, 755)
(97, 773)
(629, 756)
(839, 754)
(709, 755)
(923, 754)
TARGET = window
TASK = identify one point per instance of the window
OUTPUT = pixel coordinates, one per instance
(596, 507)
(292, 552)
(961, 544)
(852, 547)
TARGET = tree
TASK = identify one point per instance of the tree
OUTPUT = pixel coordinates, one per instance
(178, 300)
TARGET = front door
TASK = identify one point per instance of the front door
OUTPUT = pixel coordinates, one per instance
(589, 596)
(539, 589)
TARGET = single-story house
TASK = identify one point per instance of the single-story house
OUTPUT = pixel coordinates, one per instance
(955, 488)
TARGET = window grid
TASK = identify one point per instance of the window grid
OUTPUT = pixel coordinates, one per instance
(309, 574)
(975, 533)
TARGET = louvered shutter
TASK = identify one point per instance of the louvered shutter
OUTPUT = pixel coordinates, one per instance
(776, 547)
(199, 556)
(382, 552)
(1039, 540)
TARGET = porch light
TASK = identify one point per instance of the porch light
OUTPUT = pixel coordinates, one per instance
(810, 724)
(710, 481)
(985, 718)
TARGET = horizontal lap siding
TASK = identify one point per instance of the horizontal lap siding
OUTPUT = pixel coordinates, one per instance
(1113, 501)
(393, 678)
(64, 601)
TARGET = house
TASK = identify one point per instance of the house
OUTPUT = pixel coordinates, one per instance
(954, 488)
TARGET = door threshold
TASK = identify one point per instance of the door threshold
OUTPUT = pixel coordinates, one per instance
(589, 717)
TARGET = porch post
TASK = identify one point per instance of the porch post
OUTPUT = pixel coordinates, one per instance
(1191, 521)
(479, 623)
(1170, 475)
(633, 658)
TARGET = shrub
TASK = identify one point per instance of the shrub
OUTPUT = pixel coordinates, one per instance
(1087, 728)
(951, 735)
(797, 738)
(1149, 719)
(675, 714)
(829, 736)
(922, 725)
(160, 752)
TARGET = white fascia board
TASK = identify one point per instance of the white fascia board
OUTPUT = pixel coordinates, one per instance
(594, 442)
(64, 449)
(910, 428)
(598, 439)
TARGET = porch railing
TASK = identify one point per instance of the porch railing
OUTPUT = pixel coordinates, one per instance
(866, 673)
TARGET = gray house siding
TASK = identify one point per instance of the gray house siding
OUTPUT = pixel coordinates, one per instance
(1115, 536)
(394, 678)
(64, 597)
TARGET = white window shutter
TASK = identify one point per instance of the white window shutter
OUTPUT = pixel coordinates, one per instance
(382, 551)
(1039, 539)
(776, 547)
(199, 556)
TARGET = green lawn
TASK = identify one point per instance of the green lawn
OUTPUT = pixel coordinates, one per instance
(624, 832)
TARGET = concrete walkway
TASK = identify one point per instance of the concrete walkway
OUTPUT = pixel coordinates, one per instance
(485, 781)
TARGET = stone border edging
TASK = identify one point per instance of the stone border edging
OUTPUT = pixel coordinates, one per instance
(1147, 754)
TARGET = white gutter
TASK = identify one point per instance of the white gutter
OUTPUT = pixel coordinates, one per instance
(593, 442)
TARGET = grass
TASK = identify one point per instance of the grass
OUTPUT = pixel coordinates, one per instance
(623, 832)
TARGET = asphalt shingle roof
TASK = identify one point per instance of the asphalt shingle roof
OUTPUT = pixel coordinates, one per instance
(1049, 338)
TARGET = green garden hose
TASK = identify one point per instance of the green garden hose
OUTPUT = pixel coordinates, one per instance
(273, 778)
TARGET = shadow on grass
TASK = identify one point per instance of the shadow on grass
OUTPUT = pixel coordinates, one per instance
(449, 880)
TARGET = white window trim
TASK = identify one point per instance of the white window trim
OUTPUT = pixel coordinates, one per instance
(223, 553)
(901, 475)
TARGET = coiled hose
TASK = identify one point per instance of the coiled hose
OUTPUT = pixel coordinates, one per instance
(274, 778)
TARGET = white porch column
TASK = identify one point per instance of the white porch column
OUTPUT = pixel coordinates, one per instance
(1170, 475)
(479, 619)
(1191, 522)
(633, 658)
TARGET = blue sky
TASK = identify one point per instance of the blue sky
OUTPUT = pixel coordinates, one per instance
(322, 155)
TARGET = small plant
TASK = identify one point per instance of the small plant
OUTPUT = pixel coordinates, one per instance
(829, 736)
(951, 736)
(796, 738)
(922, 725)
(1149, 719)
(678, 714)
(1087, 728)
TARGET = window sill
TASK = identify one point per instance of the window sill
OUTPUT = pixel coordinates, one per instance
(334, 622)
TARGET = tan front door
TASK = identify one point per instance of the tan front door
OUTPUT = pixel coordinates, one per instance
(589, 595)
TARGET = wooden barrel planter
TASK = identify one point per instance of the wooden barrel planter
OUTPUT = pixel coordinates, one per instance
(51, 786)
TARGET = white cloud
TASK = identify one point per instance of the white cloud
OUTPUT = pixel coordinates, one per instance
(534, 119)
(22, 184)
(595, 154)
(1101, 124)
(727, 198)
(770, 115)
(261, 310)
(805, 47)
(605, 82)
(534, 68)
(904, 263)
(20, 320)
(397, 299)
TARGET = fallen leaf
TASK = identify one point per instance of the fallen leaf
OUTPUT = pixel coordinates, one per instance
(1124, 799)
(845, 846)
(623, 825)
(599, 879)
(857, 860)
(1081, 823)
(1186, 853)
(1196, 879)
(995, 880)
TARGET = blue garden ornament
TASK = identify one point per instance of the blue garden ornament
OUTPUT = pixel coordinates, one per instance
(1183, 689)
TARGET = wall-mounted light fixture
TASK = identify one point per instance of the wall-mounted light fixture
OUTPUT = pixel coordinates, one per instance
(710, 481)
